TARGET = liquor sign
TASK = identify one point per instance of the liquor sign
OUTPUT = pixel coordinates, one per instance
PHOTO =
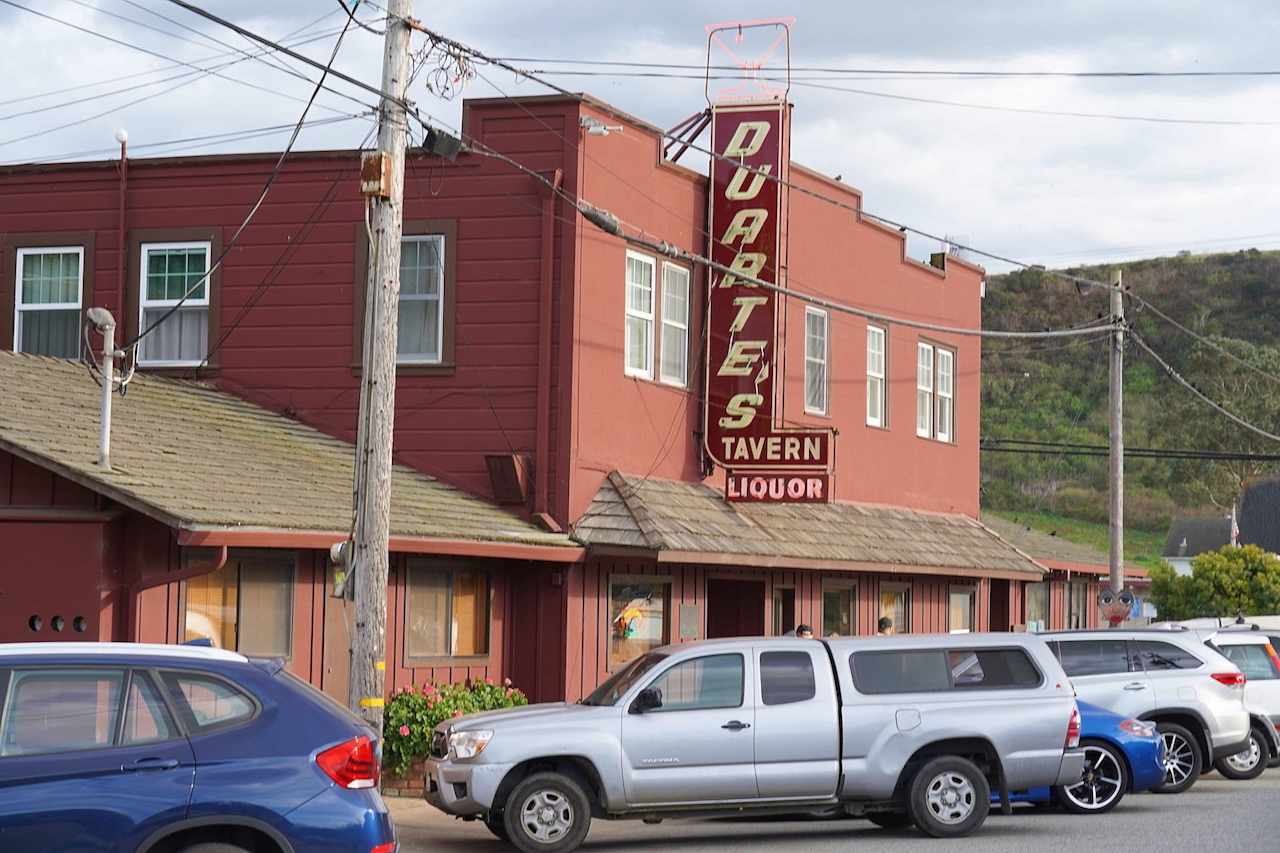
(778, 488)
(742, 317)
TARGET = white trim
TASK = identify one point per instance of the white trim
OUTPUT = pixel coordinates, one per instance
(924, 390)
(639, 316)
(678, 326)
(945, 398)
(818, 361)
(162, 305)
(18, 306)
(877, 406)
(421, 357)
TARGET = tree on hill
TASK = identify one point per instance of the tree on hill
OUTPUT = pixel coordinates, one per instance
(1238, 578)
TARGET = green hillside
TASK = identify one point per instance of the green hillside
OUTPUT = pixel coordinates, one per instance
(1214, 319)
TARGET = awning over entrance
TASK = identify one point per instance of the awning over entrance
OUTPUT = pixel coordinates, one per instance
(688, 523)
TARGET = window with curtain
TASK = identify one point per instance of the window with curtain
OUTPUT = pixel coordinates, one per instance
(1077, 604)
(246, 606)
(895, 602)
(961, 609)
(1037, 606)
(174, 303)
(675, 325)
(815, 361)
(838, 612)
(638, 335)
(446, 611)
(49, 290)
(875, 376)
(420, 314)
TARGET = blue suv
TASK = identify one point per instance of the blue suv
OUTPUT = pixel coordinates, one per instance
(134, 748)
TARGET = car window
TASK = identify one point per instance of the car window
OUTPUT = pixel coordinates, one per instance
(901, 671)
(1253, 660)
(1156, 655)
(786, 677)
(64, 709)
(1092, 656)
(207, 702)
(709, 682)
(972, 668)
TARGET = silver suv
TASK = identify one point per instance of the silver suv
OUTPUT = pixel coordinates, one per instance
(1253, 651)
(1193, 694)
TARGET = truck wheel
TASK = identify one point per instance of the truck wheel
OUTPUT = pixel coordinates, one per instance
(547, 813)
(948, 797)
(495, 823)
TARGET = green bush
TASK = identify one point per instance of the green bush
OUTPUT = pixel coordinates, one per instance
(413, 713)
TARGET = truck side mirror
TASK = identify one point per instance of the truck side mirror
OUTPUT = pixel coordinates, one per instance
(649, 698)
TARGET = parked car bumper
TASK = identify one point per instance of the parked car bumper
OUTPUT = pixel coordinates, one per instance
(462, 789)
(1072, 767)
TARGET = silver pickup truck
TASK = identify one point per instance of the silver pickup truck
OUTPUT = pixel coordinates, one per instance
(914, 729)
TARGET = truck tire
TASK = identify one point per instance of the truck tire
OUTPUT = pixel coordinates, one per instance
(1248, 764)
(547, 813)
(496, 824)
(948, 797)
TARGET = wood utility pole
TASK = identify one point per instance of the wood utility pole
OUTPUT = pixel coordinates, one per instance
(1117, 433)
(378, 377)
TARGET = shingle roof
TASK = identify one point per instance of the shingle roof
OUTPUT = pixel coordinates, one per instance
(1048, 547)
(1260, 513)
(1200, 534)
(195, 457)
(660, 515)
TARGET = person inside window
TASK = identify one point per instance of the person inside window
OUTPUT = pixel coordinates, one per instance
(886, 627)
(801, 630)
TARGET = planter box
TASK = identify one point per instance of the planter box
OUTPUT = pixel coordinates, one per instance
(408, 785)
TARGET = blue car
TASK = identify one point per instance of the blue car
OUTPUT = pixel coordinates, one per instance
(1121, 755)
(134, 748)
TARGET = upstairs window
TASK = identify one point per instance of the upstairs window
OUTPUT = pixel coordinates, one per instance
(675, 325)
(815, 361)
(421, 314)
(656, 321)
(638, 337)
(49, 293)
(174, 304)
(935, 392)
(875, 376)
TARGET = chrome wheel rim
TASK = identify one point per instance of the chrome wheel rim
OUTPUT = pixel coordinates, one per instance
(1178, 758)
(1102, 782)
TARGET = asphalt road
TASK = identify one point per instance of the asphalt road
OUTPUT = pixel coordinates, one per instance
(1214, 815)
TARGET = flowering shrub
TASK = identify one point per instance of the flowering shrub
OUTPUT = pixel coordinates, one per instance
(412, 714)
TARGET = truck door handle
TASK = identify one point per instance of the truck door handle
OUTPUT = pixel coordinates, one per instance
(736, 725)
(146, 764)
(1135, 685)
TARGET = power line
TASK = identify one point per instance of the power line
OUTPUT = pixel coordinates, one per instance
(1044, 448)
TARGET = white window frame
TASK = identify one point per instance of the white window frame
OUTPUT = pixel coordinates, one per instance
(877, 345)
(425, 357)
(162, 305)
(638, 320)
(816, 375)
(945, 398)
(19, 309)
(969, 593)
(675, 327)
(924, 390)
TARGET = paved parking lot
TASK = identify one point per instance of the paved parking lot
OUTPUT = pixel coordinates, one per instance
(1216, 814)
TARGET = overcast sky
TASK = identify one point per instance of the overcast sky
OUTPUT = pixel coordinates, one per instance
(1058, 167)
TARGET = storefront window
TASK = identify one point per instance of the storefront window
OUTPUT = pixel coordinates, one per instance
(837, 610)
(246, 606)
(1037, 606)
(447, 612)
(960, 612)
(895, 602)
(1077, 604)
(639, 617)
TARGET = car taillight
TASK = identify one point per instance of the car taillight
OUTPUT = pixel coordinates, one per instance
(389, 847)
(1137, 727)
(1073, 729)
(1231, 679)
(352, 764)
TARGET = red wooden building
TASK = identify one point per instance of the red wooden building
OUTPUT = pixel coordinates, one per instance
(547, 366)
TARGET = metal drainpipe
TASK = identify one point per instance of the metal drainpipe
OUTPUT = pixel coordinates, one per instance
(542, 466)
(120, 223)
(137, 587)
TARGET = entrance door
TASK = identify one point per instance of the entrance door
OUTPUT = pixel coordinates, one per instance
(735, 608)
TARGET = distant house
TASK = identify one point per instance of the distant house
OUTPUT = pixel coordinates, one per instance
(1190, 537)
(1259, 518)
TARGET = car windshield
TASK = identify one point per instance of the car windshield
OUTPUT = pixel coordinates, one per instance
(621, 681)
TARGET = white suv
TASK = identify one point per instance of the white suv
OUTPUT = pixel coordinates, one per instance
(1193, 694)
(1253, 651)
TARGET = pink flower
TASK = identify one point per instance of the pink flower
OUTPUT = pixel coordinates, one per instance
(488, 681)
(509, 692)
(431, 704)
(404, 731)
(428, 689)
(506, 682)
(457, 713)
